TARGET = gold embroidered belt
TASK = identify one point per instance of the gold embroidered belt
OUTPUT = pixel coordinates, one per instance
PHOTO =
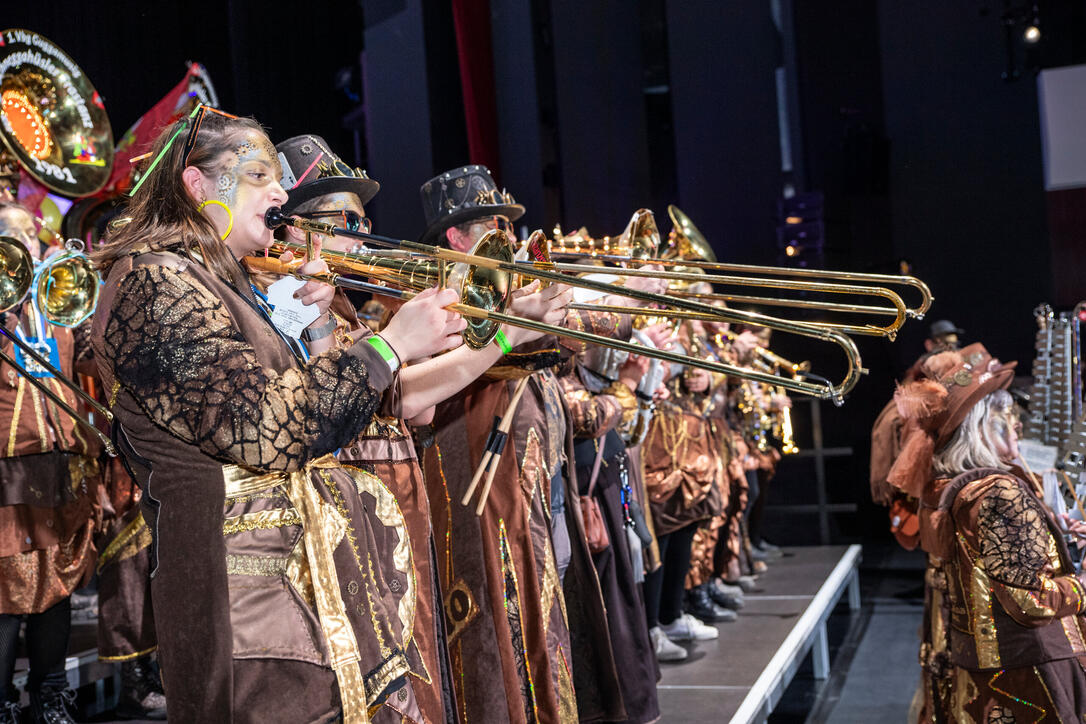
(331, 611)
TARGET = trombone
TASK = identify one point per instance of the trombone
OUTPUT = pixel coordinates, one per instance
(65, 290)
(484, 282)
(688, 250)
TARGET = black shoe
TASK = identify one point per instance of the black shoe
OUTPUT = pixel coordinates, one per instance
(52, 706)
(141, 694)
(10, 713)
(700, 606)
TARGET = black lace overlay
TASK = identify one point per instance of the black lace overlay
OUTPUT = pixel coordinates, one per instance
(174, 348)
(1013, 535)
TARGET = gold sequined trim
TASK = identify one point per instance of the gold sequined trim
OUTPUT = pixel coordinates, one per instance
(1029, 601)
(34, 395)
(240, 565)
(984, 631)
(262, 520)
(15, 416)
(113, 393)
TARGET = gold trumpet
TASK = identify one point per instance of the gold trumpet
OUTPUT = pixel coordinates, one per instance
(486, 303)
(688, 252)
(66, 290)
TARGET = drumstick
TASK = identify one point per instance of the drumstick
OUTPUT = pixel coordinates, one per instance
(503, 428)
(484, 463)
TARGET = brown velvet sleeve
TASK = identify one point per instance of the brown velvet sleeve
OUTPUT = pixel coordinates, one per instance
(1017, 551)
(174, 348)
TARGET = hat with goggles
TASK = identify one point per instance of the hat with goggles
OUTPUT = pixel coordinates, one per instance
(312, 169)
(460, 195)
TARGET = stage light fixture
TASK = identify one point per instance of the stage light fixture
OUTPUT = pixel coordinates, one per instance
(1032, 34)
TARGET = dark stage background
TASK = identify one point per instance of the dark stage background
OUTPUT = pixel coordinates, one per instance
(897, 112)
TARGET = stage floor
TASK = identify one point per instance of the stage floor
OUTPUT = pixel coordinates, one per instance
(711, 685)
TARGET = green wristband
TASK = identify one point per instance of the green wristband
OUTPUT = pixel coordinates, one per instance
(503, 342)
(385, 351)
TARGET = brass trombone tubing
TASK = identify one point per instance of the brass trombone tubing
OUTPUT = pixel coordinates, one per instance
(57, 399)
(890, 330)
(683, 314)
(898, 311)
(57, 374)
(357, 263)
(917, 312)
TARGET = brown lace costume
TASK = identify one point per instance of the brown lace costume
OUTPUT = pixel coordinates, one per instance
(1005, 635)
(266, 570)
(48, 483)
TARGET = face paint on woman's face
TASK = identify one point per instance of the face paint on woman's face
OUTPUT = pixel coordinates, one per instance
(252, 162)
(249, 185)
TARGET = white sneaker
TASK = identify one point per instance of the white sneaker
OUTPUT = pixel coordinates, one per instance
(666, 649)
(688, 628)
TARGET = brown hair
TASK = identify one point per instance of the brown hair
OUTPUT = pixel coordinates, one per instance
(162, 215)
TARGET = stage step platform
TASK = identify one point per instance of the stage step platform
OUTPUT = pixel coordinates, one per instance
(741, 676)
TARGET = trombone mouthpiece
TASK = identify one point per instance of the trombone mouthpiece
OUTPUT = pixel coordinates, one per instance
(274, 217)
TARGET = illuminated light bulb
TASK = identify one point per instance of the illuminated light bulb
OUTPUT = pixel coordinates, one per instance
(1032, 35)
(791, 250)
(793, 219)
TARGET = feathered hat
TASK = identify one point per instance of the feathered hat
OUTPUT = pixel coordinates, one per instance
(932, 408)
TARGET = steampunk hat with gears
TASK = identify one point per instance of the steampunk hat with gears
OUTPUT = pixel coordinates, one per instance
(462, 194)
(312, 169)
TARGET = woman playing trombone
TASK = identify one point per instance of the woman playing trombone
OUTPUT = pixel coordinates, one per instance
(272, 601)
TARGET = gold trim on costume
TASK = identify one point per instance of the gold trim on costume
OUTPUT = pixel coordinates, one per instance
(129, 657)
(984, 630)
(15, 417)
(42, 437)
(56, 416)
(261, 520)
(242, 565)
(460, 609)
(242, 481)
(389, 513)
(137, 532)
(331, 611)
(1029, 601)
(298, 573)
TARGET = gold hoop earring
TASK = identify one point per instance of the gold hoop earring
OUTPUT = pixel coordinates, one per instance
(230, 226)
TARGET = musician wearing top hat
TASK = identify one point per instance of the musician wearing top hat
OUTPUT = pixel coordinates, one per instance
(328, 190)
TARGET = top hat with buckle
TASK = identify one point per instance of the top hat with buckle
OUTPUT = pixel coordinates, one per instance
(312, 169)
(462, 194)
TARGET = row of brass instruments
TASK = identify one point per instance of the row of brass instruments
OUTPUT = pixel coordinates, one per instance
(45, 132)
(56, 129)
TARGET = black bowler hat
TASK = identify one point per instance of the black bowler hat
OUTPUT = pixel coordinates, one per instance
(944, 327)
(463, 194)
(312, 169)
